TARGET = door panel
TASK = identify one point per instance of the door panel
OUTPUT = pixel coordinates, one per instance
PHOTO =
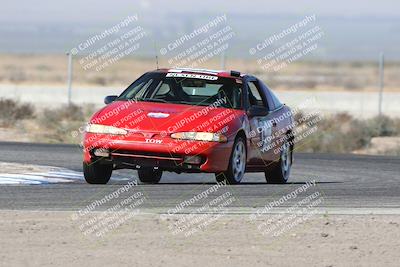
(260, 127)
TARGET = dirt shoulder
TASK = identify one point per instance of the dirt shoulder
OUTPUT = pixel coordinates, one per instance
(53, 238)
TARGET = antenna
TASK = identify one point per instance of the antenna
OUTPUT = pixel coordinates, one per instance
(223, 60)
(156, 53)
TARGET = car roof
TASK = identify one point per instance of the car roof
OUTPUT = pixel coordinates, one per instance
(219, 73)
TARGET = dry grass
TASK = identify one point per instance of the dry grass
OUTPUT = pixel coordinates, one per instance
(12, 111)
(341, 133)
(63, 124)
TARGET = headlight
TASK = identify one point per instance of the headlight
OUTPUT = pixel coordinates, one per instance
(200, 136)
(104, 129)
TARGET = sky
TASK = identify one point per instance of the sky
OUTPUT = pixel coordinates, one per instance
(355, 29)
(95, 10)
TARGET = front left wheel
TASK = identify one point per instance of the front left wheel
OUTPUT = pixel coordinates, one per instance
(96, 173)
(279, 174)
(237, 164)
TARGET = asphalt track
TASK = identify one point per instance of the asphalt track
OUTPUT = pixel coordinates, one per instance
(344, 181)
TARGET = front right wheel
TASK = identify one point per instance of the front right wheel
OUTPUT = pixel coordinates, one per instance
(237, 164)
(96, 173)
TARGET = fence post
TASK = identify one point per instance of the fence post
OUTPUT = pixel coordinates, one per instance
(381, 80)
(69, 81)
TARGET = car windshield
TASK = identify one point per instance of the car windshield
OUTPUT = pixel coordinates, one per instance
(190, 89)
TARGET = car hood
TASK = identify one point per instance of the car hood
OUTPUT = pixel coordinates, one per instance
(165, 117)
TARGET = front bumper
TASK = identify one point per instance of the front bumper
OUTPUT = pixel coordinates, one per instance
(168, 155)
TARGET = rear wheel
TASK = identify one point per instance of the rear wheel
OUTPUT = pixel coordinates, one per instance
(96, 173)
(237, 164)
(280, 172)
(149, 176)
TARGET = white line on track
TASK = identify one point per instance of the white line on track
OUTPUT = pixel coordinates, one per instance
(52, 176)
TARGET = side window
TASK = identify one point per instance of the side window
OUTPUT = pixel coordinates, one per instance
(275, 99)
(255, 97)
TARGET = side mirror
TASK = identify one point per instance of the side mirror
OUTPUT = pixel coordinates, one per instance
(109, 99)
(257, 111)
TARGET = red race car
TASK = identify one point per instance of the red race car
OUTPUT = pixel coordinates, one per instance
(191, 120)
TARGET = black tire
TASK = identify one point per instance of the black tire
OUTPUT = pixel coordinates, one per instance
(149, 176)
(280, 172)
(220, 177)
(96, 173)
(237, 165)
